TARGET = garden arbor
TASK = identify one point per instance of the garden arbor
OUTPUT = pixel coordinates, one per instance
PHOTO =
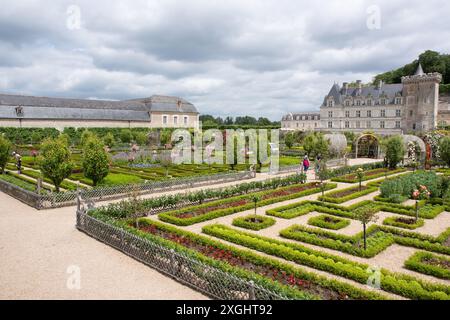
(367, 146)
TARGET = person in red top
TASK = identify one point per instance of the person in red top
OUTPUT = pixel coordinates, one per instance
(305, 164)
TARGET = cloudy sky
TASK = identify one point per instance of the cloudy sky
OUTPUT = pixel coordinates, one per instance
(260, 58)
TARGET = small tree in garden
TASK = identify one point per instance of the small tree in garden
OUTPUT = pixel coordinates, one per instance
(136, 207)
(256, 199)
(444, 148)
(420, 194)
(323, 174)
(126, 135)
(315, 144)
(289, 140)
(166, 160)
(95, 160)
(5, 152)
(141, 138)
(85, 136)
(109, 140)
(54, 161)
(365, 215)
(395, 151)
(360, 175)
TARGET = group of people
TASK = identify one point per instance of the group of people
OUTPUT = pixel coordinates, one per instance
(306, 163)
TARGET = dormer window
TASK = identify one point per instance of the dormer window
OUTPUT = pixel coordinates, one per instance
(330, 103)
(358, 102)
(383, 102)
(398, 100)
(347, 103)
(369, 102)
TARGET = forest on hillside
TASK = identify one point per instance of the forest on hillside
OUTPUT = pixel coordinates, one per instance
(431, 61)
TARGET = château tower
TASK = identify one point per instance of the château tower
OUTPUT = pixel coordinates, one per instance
(421, 100)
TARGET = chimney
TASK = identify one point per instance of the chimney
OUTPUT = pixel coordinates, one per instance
(380, 84)
(359, 86)
(345, 88)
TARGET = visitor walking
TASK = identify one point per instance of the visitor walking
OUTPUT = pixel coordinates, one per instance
(305, 163)
(318, 162)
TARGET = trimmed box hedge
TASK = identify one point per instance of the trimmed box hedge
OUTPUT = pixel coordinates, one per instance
(171, 216)
(401, 284)
(394, 221)
(417, 262)
(247, 223)
(328, 222)
(334, 197)
(351, 178)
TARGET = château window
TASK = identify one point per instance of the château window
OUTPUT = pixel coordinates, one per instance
(383, 113)
(382, 124)
(369, 113)
(358, 102)
(410, 113)
(175, 120)
(397, 124)
(186, 118)
(164, 119)
(347, 124)
(398, 100)
(383, 102)
(358, 124)
(398, 113)
(358, 114)
(368, 124)
(369, 102)
(347, 103)
(330, 114)
(330, 124)
(347, 114)
(330, 103)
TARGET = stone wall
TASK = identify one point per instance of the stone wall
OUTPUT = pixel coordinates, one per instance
(27, 197)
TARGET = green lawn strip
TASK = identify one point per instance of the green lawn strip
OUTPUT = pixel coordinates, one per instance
(265, 280)
(112, 179)
(400, 284)
(248, 222)
(351, 177)
(65, 184)
(420, 262)
(172, 216)
(328, 222)
(403, 223)
(335, 196)
(19, 181)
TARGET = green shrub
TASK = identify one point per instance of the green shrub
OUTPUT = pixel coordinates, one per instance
(420, 262)
(395, 151)
(5, 153)
(328, 222)
(397, 222)
(253, 222)
(404, 185)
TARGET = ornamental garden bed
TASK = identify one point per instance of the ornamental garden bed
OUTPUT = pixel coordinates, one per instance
(292, 281)
(403, 222)
(368, 175)
(401, 284)
(347, 194)
(253, 222)
(328, 222)
(195, 214)
(431, 264)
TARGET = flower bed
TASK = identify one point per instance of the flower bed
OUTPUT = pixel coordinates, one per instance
(254, 222)
(368, 175)
(291, 281)
(343, 195)
(402, 222)
(195, 214)
(400, 284)
(431, 264)
(328, 222)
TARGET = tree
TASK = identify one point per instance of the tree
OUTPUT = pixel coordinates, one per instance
(85, 136)
(5, 149)
(395, 151)
(141, 138)
(109, 140)
(126, 135)
(95, 160)
(315, 144)
(360, 176)
(256, 199)
(289, 140)
(54, 160)
(36, 137)
(444, 148)
(365, 215)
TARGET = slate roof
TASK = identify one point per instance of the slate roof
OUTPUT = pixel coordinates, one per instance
(85, 109)
(390, 91)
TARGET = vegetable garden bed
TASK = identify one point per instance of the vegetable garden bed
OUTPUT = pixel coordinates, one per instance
(347, 194)
(431, 264)
(328, 222)
(368, 175)
(195, 214)
(253, 222)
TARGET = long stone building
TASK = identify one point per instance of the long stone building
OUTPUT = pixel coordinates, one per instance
(410, 106)
(152, 112)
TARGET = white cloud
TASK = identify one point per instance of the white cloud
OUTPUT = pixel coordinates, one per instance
(261, 58)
